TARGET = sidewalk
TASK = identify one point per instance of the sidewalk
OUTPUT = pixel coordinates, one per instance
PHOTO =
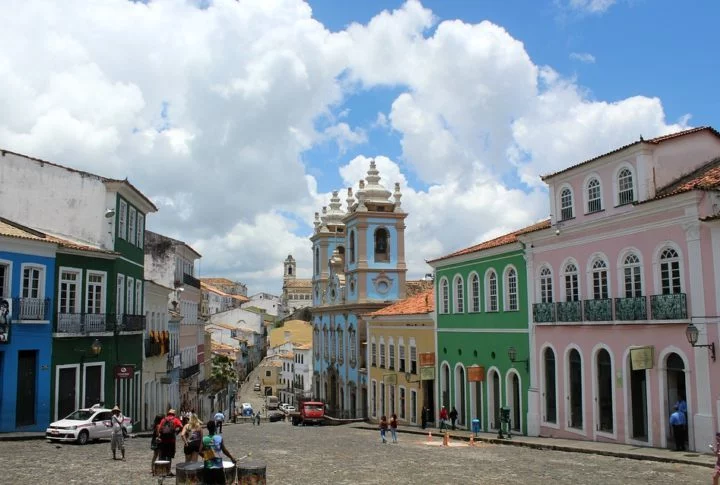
(576, 446)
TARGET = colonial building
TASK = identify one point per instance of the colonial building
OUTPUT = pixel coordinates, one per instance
(482, 326)
(402, 358)
(289, 344)
(99, 316)
(227, 286)
(630, 264)
(296, 292)
(270, 304)
(358, 268)
(215, 300)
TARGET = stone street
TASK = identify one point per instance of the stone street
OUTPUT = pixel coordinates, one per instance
(343, 455)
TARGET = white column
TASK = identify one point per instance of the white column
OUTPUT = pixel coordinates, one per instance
(702, 419)
(533, 397)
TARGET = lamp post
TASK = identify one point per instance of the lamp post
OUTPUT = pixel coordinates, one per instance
(512, 354)
(691, 333)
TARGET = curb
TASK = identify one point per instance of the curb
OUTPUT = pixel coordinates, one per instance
(22, 438)
(570, 449)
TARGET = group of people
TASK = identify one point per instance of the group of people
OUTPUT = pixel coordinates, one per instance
(444, 416)
(392, 425)
(190, 429)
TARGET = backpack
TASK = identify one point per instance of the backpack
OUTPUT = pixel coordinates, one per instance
(167, 430)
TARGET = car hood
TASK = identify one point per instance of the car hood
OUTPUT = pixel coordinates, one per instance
(68, 422)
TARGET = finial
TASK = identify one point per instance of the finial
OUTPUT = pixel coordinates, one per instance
(397, 195)
(350, 199)
(316, 222)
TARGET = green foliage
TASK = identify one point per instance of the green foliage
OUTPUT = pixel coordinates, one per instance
(223, 371)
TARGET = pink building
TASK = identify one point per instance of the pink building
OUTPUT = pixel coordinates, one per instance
(632, 258)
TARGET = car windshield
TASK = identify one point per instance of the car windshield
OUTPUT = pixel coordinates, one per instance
(81, 415)
(314, 407)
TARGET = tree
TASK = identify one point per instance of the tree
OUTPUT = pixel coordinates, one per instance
(223, 372)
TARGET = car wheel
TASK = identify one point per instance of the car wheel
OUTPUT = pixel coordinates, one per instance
(83, 437)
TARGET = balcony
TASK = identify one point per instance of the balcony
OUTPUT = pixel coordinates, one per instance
(188, 372)
(132, 323)
(569, 311)
(544, 312)
(191, 280)
(630, 309)
(599, 310)
(668, 307)
(84, 323)
(31, 309)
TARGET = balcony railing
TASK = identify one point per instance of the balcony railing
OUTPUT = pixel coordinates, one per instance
(188, 372)
(544, 312)
(569, 311)
(29, 309)
(598, 310)
(668, 307)
(85, 322)
(631, 308)
(191, 280)
(132, 323)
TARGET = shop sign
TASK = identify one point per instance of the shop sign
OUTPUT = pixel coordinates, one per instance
(427, 373)
(476, 373)
(427, 359)
(390, 379)
(124, 371)
(642, 357)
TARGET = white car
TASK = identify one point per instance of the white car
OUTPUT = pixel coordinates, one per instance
(289, 409)
(84, 425)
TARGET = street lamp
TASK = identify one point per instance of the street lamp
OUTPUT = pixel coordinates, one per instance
(691, 332)
(96, 347)
(512, 354)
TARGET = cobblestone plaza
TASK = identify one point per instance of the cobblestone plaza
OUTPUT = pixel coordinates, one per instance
(344, 455)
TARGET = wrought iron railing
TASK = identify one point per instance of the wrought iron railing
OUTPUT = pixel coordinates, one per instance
(30, 309)
(668, 307)
(569, 311)
(131, 323)
(631, 308)
(188, 372)
(84, 323)
(599, 310)
(544, 312)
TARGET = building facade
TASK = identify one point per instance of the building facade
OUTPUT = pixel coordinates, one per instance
(631, 260)
(402, 337)
(296, 292)
(358, 267)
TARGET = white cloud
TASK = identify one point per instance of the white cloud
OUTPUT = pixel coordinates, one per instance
(213, 120)
(591, 6)
(584, 57)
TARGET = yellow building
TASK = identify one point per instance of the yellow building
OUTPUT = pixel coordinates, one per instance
(401, 351)
(297, 332)
(270, 377)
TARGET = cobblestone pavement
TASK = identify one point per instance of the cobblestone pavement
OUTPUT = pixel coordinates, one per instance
(343, 455)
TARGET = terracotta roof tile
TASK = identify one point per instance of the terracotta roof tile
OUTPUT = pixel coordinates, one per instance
(497, 242)
(419, 304)
(652, 141)
(13, 229)
(706, 177)
(299, 283)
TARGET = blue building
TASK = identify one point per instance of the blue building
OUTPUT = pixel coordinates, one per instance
(358, 267)
(27, 286)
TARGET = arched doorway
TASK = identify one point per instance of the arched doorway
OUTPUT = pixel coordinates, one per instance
(494, 398)
(638, 402)
(460, 394)
(445, 386)
(476, 395)
(513, 400)
(576, 389)
(341, 404)
(676, 388)
(604, 400)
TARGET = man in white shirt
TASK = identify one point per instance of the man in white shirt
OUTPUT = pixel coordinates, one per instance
(219, 418)
(117, 439)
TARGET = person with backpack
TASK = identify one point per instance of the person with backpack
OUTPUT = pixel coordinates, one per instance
(169, 427)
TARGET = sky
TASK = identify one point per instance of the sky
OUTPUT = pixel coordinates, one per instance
(239, 118)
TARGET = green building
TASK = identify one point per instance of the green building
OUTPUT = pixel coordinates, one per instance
(100, 320)
(482, 323)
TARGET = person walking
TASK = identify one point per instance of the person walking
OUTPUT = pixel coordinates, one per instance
(169, 427)
(257, 418)
(453, 417)
(393, 427)
(677, 421)
(191, 434)
(212, 447)
(423, 417)
(117, 439)
(219, 418)
(383, 428)
(155, 441)
(443, 418)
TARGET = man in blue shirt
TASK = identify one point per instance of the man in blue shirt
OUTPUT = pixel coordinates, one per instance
(677, 421)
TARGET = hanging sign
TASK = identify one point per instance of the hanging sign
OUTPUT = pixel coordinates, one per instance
(642, 357)
(427, 373)
(476, 373)
(124, 371)
(427, 359)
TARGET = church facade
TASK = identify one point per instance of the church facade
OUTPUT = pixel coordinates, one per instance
(296, 292)
(358, 268)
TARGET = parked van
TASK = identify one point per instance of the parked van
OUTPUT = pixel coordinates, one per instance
(272, 402)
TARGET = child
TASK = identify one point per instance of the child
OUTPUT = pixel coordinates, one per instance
(383, 428)
(393, 427)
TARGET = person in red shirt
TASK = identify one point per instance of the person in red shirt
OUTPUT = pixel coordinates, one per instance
(168, 429)
(443, 418)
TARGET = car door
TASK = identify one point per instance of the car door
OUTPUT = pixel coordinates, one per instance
(101, 425)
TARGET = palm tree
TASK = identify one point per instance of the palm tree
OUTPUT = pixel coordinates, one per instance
(223, 373)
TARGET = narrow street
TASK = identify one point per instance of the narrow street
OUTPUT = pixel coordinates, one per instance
(246, 393)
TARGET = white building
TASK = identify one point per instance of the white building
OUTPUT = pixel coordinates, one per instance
(296, 292)
(272, 304)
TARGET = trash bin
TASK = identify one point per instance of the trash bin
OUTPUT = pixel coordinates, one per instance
(504, 422)
(476, 426)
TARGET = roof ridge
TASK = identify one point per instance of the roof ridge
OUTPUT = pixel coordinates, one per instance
(27, 229)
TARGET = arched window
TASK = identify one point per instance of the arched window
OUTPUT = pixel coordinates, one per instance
(626, 194)
(491, 305)
(373, 352)
(605, 390)
(511, 290)
(670, 272)
(382, 252)
(340, 346)
(325, 343)
(382, 353)
(566, 204)
(550, 389)
(459, 295)
(317, 261)
(352, 246)
(600, 280)
(575, 389)
(474, 293)
(317, 343)
(572, 289)
(546, 288)
(632, 279)
(290, 270)
(391, 354)
(593, 196)
(444, 296)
